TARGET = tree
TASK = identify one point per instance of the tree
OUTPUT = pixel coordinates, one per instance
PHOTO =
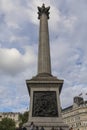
(7, 124)
(23, 118)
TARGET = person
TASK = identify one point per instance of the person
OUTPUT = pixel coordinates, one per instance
(71, 128)
(32, 126)
(24, 128)
(61, 128)
(52, 128)
(42, 128)
(36, 128)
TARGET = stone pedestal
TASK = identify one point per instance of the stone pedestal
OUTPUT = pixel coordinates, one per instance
(45, 110)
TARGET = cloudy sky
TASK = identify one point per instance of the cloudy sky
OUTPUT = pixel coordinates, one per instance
(19, 33)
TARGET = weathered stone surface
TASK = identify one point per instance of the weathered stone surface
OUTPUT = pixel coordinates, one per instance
(44, 89)
(44, 62)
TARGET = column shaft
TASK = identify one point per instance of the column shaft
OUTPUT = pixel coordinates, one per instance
(44, 62)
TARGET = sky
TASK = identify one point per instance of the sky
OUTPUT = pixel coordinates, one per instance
(19, 34)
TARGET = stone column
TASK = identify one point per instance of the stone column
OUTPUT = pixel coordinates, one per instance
(44, 62)
(44, 89)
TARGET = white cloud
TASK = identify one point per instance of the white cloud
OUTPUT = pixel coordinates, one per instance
(13, 62)
(69, 23)
(68, 28)
(16, 13)
(18, 39)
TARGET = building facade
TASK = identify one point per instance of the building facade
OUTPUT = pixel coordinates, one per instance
(76, 115)
(11, 115)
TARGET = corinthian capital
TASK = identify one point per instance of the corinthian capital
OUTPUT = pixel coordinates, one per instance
(43, 10)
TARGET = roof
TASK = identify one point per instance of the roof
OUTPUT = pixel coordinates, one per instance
(67, 108)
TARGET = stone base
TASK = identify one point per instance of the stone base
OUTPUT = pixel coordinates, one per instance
(44, 91)
(48, 126)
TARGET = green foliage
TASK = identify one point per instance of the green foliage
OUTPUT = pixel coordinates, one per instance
(23, 118)
(7, 124)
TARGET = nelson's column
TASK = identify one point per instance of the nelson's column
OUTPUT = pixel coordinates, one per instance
(44, 89)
